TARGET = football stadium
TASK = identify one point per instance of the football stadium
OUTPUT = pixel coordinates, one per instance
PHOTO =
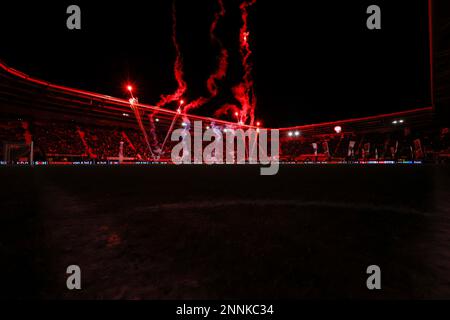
(89, 179)
(69, 126)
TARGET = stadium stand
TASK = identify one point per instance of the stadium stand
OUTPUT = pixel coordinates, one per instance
(69, 125)
(68, 141)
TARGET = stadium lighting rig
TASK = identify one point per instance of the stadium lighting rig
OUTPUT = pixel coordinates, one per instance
(294, 134)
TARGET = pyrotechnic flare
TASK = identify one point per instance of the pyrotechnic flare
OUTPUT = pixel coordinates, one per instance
(175, 117)
(244, 92)
(153, 134)
(178, 66)
(137, 112)
(186, 123)
(222, 66)
(230, 110)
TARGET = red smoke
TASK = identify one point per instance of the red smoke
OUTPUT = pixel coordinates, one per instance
(244, 92)
(228, 110)
(178, 67)
(222, 65)
(195, 104)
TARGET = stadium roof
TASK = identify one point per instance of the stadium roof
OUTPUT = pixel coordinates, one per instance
(34, 97)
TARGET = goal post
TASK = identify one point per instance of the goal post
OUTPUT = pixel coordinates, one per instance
(18, 153)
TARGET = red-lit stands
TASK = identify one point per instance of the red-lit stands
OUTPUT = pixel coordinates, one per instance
(57, 140)
(399, 145)
(68, 141)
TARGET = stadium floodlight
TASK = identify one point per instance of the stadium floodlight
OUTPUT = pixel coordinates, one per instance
(394, 122)
(401, 121)
(338, 129)
(297, 133)
(290, 133)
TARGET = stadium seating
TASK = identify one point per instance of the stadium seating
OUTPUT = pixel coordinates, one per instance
(68, 141)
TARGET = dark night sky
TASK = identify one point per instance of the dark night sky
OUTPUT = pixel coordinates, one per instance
(313, 61)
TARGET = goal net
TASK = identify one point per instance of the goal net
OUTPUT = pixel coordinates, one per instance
(18, 153)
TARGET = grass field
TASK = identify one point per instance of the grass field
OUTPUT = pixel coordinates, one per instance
(195, 232)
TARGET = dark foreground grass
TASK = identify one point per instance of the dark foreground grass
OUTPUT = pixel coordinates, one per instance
(225, 232)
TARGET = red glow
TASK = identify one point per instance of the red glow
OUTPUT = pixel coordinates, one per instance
(258, 124)
(178, 67)
(222, 63)
(222, 66)
(129, 88)
(244, 92)
(227, 110)
(246, 35)
(195, 104)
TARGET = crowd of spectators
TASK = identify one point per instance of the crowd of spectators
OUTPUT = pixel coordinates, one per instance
(404, 145)
(71, 141)
(86, 142)
(57, 139)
